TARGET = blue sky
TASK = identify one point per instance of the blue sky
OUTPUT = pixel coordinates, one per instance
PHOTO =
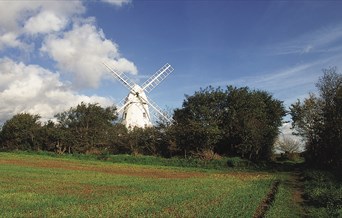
(280, 47)
(51, 53)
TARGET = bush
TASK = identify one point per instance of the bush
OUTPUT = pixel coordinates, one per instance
(238, 162)
(324, 192)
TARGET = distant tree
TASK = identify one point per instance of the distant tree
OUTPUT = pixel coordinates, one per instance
(48, 136)
(85, 126)
(118, 135)
(57, 138)
(307, 117)
(319, 121)
(236, 121)
(146, 141)
(286, 144)
(21, 132)
(251, 122)
(198, 122)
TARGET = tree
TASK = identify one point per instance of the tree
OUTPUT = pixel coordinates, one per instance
(307, 121)
(252, 119)
(49, 136)
(21, 132)
(145, 141)
(289, 146)
(118, 135)
(319, 121)
(85, 127)
(197, 123)
(236, 121)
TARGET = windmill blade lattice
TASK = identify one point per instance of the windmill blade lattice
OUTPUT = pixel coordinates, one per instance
(129, 84)
(157, 110)
(157, 78)
(123, 103)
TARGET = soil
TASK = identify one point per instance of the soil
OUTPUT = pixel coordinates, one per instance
(267, 201)
(297, 186)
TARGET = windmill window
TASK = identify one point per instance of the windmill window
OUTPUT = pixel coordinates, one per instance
(144, 115)
(125, 115)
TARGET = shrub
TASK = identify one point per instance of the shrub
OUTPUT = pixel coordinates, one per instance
(324, 192)
(238, 162)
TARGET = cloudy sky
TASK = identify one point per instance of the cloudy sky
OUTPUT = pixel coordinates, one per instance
(51, 52)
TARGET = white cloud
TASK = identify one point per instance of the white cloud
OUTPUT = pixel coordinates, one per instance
(15, 14)
(77, 46)
(81, 52)
(45, 22)
(117, 2)
(10, 40)
(18, 18)
(33, 89)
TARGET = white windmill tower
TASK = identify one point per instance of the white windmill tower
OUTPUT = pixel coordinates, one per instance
(135, 107)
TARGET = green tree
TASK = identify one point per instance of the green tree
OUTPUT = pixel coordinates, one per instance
(21, 132)
(251, 122)
(85, 126)
(118, 135)
(319, 121)
(236, 121)
(197, 123)
(57, 138)
(48, 135)
(146, 141)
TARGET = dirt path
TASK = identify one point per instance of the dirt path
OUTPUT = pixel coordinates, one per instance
(293, 183)
(296, 184)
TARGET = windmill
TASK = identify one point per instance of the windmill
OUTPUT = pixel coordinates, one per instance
(135, 107)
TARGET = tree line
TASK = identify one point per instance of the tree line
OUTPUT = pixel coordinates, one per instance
(318, 119)
(231, 121)
(213, 121)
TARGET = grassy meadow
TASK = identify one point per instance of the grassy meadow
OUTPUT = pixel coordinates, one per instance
(39, 185)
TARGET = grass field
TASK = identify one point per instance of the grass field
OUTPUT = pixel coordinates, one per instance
(36, 186)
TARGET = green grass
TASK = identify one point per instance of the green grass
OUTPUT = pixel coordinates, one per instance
(44, 186)
(284, 205)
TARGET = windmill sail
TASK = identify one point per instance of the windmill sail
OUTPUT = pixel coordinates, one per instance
(135, 107)
(158, 110)
(157, 78)
(129, 84)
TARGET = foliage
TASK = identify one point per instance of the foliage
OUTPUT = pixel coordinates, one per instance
(85, 126)
(323, 192)
(198, 122)
(233, 121)
(117, 139)
(319, 120)
(21, 132)
(143, 141)
(237, 162)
